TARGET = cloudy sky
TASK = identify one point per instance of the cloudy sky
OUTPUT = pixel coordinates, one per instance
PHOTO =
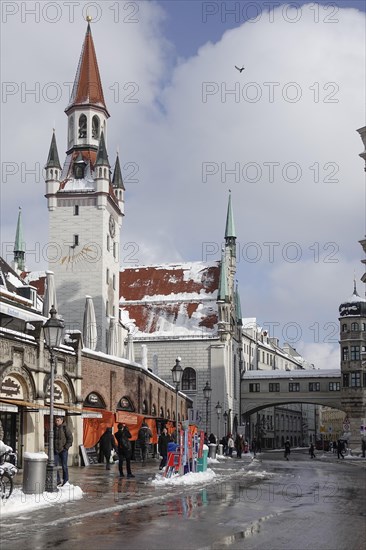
(188, 126)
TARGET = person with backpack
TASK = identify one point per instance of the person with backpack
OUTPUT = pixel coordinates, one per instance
(124, 449)
(144, 437)
(62, 442)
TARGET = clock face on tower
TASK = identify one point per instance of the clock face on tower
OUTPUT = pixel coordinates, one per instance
(112, 227)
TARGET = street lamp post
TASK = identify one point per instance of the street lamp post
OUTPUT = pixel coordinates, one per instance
(177, 372)
(218, 412)
(206, 394)
(224, 416)
(52, 333)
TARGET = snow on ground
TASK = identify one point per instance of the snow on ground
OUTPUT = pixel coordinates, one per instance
(19, 503)
(192, 478)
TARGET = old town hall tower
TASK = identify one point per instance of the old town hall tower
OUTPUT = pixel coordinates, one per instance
(85, 203)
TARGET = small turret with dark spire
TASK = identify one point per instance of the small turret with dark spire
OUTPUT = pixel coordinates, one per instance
(19, 246)
(118, 185)
(102, 155)
(53, 173)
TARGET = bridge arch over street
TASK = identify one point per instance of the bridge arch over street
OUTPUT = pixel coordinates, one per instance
(261, 389)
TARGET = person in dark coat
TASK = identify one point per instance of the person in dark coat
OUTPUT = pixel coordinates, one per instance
(254, 447)
(107, 443)
(124, 449)
(62, 442)
(340, 449)
(287, 449)
(163, 441)
(212, 439)
(144, 437)
(311, 450)
(239, 445)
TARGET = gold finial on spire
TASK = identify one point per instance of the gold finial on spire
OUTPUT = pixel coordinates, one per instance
(89, 18)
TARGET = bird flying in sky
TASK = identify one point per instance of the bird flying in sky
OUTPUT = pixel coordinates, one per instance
(240, 70)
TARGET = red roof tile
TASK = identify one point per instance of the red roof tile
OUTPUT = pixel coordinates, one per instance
(179, 298)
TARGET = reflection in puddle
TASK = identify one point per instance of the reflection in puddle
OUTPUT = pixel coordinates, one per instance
(185, 505)
(253, 529)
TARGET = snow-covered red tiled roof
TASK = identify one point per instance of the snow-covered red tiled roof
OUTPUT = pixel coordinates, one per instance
(37, 279)
(172, 299)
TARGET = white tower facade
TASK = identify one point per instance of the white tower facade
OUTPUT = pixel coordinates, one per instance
(85, 207)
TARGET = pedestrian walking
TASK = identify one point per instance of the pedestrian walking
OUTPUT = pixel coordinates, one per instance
(124, 449)
(163, 441)
(363, 446)
(239, 445)
(254, 447)
(144, 437)
(340, 449)
(62, 442)
(107, 443)
(311, 450)
(230, 445)
(212, 439)
(287, 449)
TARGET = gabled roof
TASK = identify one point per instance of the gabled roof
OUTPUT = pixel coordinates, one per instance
(171, 300)
(87, 89)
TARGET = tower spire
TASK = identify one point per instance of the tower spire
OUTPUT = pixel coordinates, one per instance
(230, 226)
(87, 89)
(19, 245)
(102, 155)
(53, 160)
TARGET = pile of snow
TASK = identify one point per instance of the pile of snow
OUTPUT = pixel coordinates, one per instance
(19, 502)
(192, 478)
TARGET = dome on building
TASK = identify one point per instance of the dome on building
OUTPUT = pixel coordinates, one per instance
(354, 306)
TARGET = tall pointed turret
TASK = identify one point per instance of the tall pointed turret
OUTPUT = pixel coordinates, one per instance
(238, 306)
(230, 226)
(87, 111)
(87, 88)
(230, 247)
(53, 160)
(19, 245)
(102, 155)
(118, 185)
(84, 212)
(53, 173)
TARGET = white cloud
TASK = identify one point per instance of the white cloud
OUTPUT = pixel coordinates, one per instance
(171, 132)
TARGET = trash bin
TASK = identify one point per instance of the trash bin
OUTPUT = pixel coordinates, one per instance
(212, 450)
(202, 462)
(220, 450)
(34, 473)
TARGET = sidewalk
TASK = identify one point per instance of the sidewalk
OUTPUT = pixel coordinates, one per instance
(93, 490)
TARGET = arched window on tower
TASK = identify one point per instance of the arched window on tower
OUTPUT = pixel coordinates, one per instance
(355, 326)
(95, 127)
(189, 379)
(71, 131)
(82, 126)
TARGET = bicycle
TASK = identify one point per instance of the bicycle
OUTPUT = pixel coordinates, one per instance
(7, 472)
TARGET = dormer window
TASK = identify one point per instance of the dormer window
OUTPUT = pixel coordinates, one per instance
(82, 126)
(95, 127)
